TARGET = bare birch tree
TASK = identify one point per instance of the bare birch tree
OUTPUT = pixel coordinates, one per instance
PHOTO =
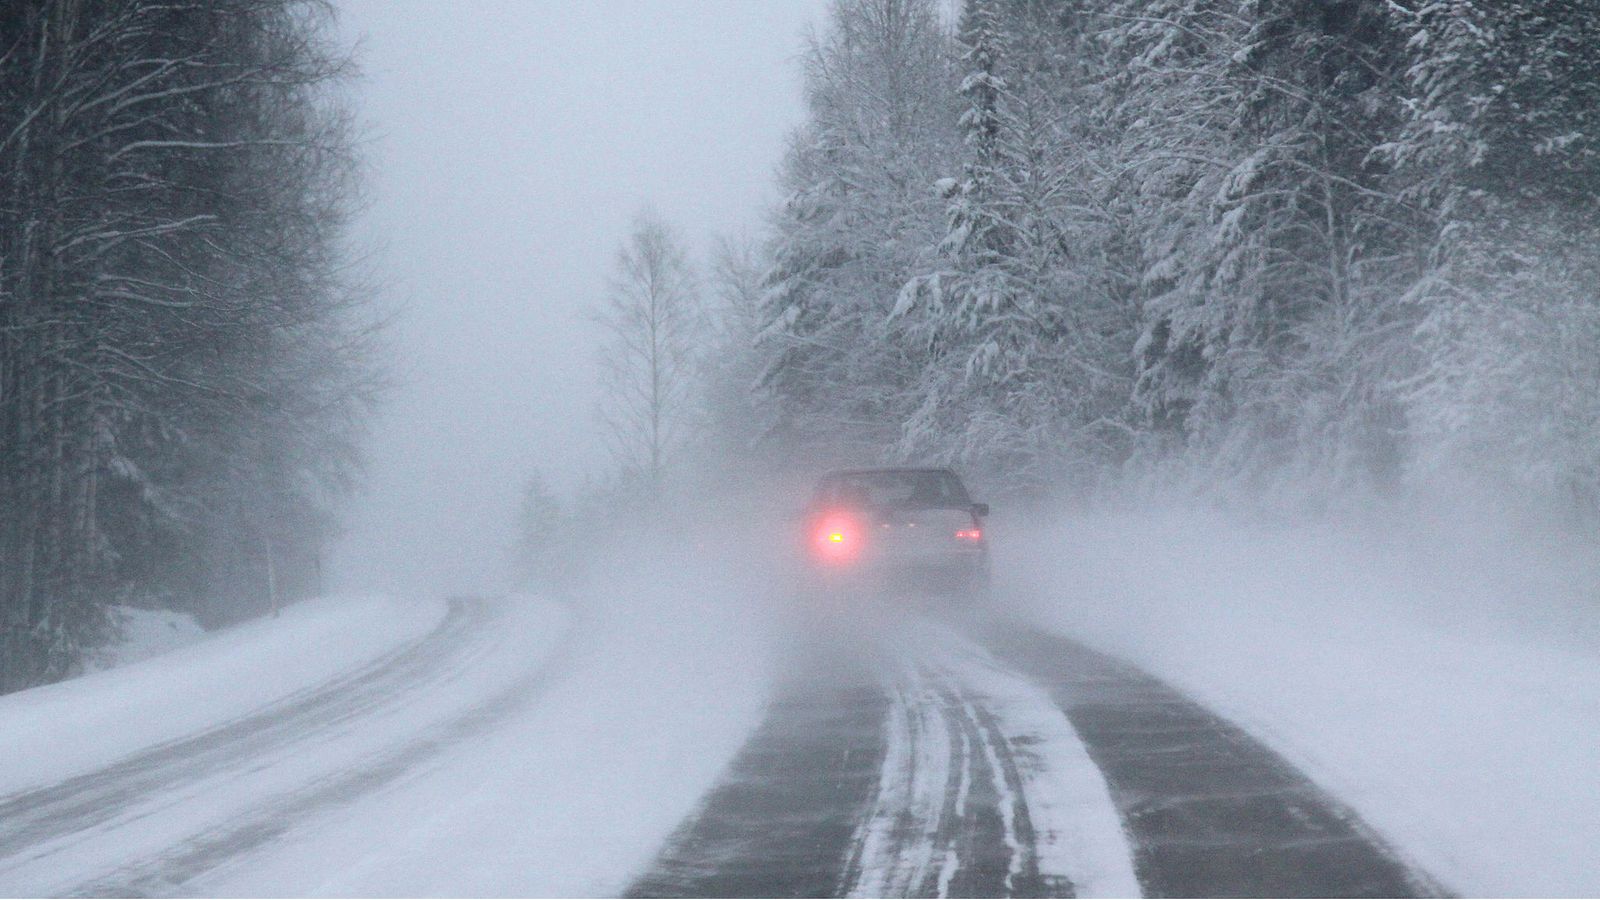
(654, 324)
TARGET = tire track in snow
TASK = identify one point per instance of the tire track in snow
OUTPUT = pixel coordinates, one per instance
(164, 804)
(268, 821)
(1057, 770)
(781, 820)
(1212, 811)
(1044, 824)
(31, 817)
(945, 819)
(926, 769)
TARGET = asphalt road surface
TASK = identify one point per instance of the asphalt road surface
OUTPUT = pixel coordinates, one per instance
(921, 765)
(927, 758)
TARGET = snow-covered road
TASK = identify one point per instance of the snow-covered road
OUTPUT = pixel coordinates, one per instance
(921, 765)
(154, 820)
(521, 747)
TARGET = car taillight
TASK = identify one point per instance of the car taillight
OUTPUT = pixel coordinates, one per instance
(970, 534)
(837, 539)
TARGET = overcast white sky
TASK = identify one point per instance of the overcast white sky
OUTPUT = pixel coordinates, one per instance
(511, 144)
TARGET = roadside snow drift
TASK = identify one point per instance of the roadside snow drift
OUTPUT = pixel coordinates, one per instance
(1442, 681)
(143, 633)
(77, 726)
(572, 794)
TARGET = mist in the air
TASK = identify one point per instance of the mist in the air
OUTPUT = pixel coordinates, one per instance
(839, 447)
(509, 148)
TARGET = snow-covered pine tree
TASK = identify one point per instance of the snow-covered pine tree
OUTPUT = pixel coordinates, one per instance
(1502, 148)
(1027, 369)
(858, 223)
(181, 357)
(1273, 250)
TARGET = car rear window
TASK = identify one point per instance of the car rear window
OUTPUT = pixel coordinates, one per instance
(895, 488)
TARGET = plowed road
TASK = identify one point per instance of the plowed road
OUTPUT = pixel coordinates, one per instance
(930, 760)
(931, 768)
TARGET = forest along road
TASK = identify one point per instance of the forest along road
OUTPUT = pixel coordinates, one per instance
(921, 765)
(150, 823)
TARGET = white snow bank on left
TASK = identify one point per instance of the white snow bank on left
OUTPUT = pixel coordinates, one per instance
(143, 633)
(60, 730)
(574, 794)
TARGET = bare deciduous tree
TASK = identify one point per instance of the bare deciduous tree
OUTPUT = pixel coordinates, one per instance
(654, 324)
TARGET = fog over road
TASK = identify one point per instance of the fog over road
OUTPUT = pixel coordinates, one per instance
(918, 757)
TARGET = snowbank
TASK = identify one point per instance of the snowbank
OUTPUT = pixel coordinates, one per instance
(64, 729)
(1443, 680)
(575, 793)
(143, 633)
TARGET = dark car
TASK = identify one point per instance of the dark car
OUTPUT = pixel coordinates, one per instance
(913, 527)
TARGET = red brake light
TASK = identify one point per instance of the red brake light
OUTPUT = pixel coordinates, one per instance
(837, 539)
(969, 534)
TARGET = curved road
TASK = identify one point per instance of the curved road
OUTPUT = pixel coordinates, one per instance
(152, 822)
(922, 759)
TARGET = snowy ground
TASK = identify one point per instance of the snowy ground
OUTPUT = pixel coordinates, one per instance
(573, 793)
(61, 730)
(1441, 680)
(1442, 683)
(368, 747)
(143, 633)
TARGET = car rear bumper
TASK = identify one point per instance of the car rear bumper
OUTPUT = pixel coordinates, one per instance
(950, 572)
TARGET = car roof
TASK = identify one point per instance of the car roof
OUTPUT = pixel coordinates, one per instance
(887, 470)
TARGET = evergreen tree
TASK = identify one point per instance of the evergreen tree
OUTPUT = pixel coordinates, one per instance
(858, 223)
(182, 360)
(1027, 334)
(1275, 250)
(1197, 236)
(1501, 147)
